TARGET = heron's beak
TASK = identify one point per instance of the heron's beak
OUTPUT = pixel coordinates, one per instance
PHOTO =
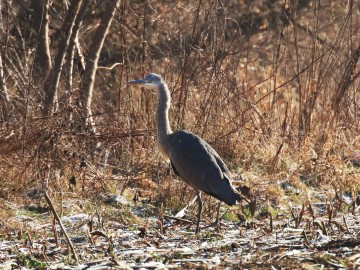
(138, 82)
(143, 83)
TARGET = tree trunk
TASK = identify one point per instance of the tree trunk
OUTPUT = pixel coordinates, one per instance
(74, 41)
(74, 47)
(4, 96)
(41, 10)
(86, 91)
(52, 80)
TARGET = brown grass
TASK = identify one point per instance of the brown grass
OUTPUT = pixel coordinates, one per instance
(273, 87)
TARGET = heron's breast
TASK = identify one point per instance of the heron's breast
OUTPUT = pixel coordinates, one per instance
(163, 150)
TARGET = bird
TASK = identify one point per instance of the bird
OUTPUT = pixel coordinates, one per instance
(192, 159)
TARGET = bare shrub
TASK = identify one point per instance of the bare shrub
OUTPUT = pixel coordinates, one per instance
(273, 87)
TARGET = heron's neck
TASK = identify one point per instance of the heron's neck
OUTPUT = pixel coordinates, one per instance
(163, 126)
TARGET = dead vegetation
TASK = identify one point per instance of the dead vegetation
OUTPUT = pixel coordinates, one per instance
(273, 86)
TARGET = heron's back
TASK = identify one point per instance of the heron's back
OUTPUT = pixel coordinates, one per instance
(198, 164)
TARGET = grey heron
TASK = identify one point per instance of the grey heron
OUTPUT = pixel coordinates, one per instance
(192, 159)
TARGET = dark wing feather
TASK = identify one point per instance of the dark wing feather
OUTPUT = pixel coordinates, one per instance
(174, 169)
(198, 164)
(225, 170)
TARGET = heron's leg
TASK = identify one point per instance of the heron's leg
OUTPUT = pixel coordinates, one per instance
(199, 211)
(217, 220)
(216, 223)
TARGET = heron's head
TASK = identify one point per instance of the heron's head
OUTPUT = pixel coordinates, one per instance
(152, 81)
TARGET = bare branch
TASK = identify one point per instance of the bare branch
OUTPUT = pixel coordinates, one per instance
(52, 81)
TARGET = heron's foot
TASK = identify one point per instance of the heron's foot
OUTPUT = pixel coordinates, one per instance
(216, 224)
(197, 228)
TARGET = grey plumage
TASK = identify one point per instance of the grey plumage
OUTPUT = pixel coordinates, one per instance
(198, 164)
(192, 159)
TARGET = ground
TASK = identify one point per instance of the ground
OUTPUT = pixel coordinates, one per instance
(272, 86)
(121, 234)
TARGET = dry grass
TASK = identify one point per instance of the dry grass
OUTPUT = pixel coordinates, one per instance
(273, 87)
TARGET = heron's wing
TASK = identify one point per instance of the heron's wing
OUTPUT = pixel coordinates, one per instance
(174, 169)
(225, 170)
(198, 164)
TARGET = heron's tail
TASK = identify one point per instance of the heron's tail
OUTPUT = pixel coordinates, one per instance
(232, 196)
(227, 193)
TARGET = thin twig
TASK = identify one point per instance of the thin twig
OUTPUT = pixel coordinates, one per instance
(53, 224)
(48, 200)
(346, 225)
(110, 68)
